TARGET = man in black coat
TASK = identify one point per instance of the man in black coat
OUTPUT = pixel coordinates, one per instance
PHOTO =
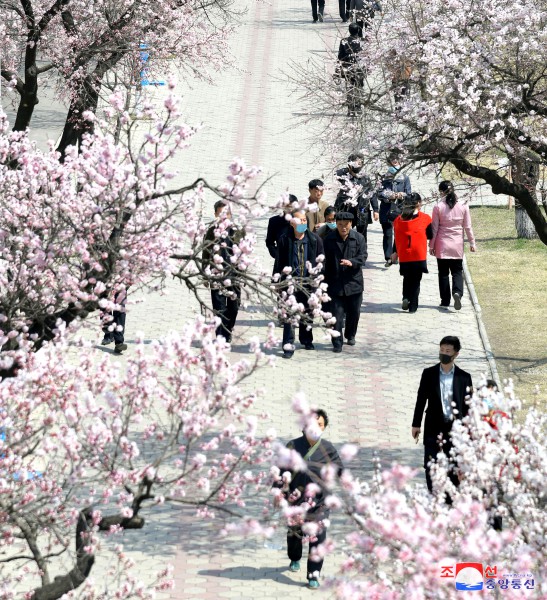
(444, 388)
(295, 249)
(225, 300)
(345, 256)
(277, 226)
(352, 69)
(356, 193)
(317, 452)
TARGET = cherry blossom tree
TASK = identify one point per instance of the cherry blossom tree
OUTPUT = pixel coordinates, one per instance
(73, 45)
(86, 445)
(458, 83)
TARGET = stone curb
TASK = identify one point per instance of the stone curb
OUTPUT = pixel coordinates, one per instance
(480, 323)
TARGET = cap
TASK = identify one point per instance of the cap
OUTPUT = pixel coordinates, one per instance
(344, 216)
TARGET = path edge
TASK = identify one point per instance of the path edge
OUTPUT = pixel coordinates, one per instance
(482, 328)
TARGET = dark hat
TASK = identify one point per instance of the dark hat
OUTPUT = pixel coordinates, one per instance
(344, 216)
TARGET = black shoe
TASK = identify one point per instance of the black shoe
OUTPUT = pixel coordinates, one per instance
(457, 300)
(315, 20)
(412, 310)
(288, 353)
(344, 20)
(337, 349)
(119, 348)
(320, 18)
(406, 304)
(350, 342)
(107, 340)
(309, 346)
(388, 263)
(441, 305)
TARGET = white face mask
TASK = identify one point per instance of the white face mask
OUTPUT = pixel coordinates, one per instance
(313, 432)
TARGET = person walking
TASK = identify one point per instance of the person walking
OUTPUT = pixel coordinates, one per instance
(394, 187)
(297, 249)
(444, 388)
(278, 225)
(225, 300)
(317, 10)
(450, 219)
(317, 452)
(412, 230)
(351, 69)
(364, 12)
(345, 257)
(356, 193)
(114, 324)
(343, 9)
(316, 207)
(330, 222)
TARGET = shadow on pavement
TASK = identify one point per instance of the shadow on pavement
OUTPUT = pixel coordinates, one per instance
(252, 574)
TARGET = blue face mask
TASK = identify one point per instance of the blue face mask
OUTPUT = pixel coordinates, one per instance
(331, 225)
(301, 227)
(392, 170)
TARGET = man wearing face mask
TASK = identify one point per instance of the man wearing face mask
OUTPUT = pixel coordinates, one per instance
(355, 194)
(345, 256)
(317, 452)
(444, 388)
(395, 186)
(297, 249)
(330, 222)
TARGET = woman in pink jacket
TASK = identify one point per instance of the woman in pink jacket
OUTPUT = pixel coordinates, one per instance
(449, 220)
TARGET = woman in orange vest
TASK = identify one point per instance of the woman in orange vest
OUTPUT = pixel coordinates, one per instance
(412, 229)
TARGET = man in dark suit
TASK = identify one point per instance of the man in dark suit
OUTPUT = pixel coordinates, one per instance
(296, 249)
(345, 256)
(443, 388)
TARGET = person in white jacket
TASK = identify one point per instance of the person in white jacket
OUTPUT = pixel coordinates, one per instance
(450, 219)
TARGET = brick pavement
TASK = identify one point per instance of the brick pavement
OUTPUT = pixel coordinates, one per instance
(368, 390)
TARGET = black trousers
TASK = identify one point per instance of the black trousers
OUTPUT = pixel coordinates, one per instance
(448, 266)
(314, 6)
(343, 9)
(387, 241)
(294, 548)
(346, 309)
(362, 229)
(412, 276)
(305, 335)
(431, 451)
(117, 319)
(226, 308)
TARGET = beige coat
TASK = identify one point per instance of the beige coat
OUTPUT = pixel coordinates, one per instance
(316, 218)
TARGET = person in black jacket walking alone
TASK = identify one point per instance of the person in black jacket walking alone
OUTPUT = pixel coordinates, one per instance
(345, 256)
(317, 452)
(352, 70)
(444, 388)
(296, 248)
(225, 300)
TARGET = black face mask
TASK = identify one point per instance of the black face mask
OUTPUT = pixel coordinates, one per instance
(446, 359)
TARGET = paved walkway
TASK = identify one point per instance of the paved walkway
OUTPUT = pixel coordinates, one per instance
(368, 390)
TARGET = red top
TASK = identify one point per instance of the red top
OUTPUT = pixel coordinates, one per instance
(410, 238)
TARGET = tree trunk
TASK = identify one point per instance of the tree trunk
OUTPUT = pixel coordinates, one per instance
(523, 224)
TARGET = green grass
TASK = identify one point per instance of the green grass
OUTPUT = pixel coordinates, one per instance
(510, 277)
